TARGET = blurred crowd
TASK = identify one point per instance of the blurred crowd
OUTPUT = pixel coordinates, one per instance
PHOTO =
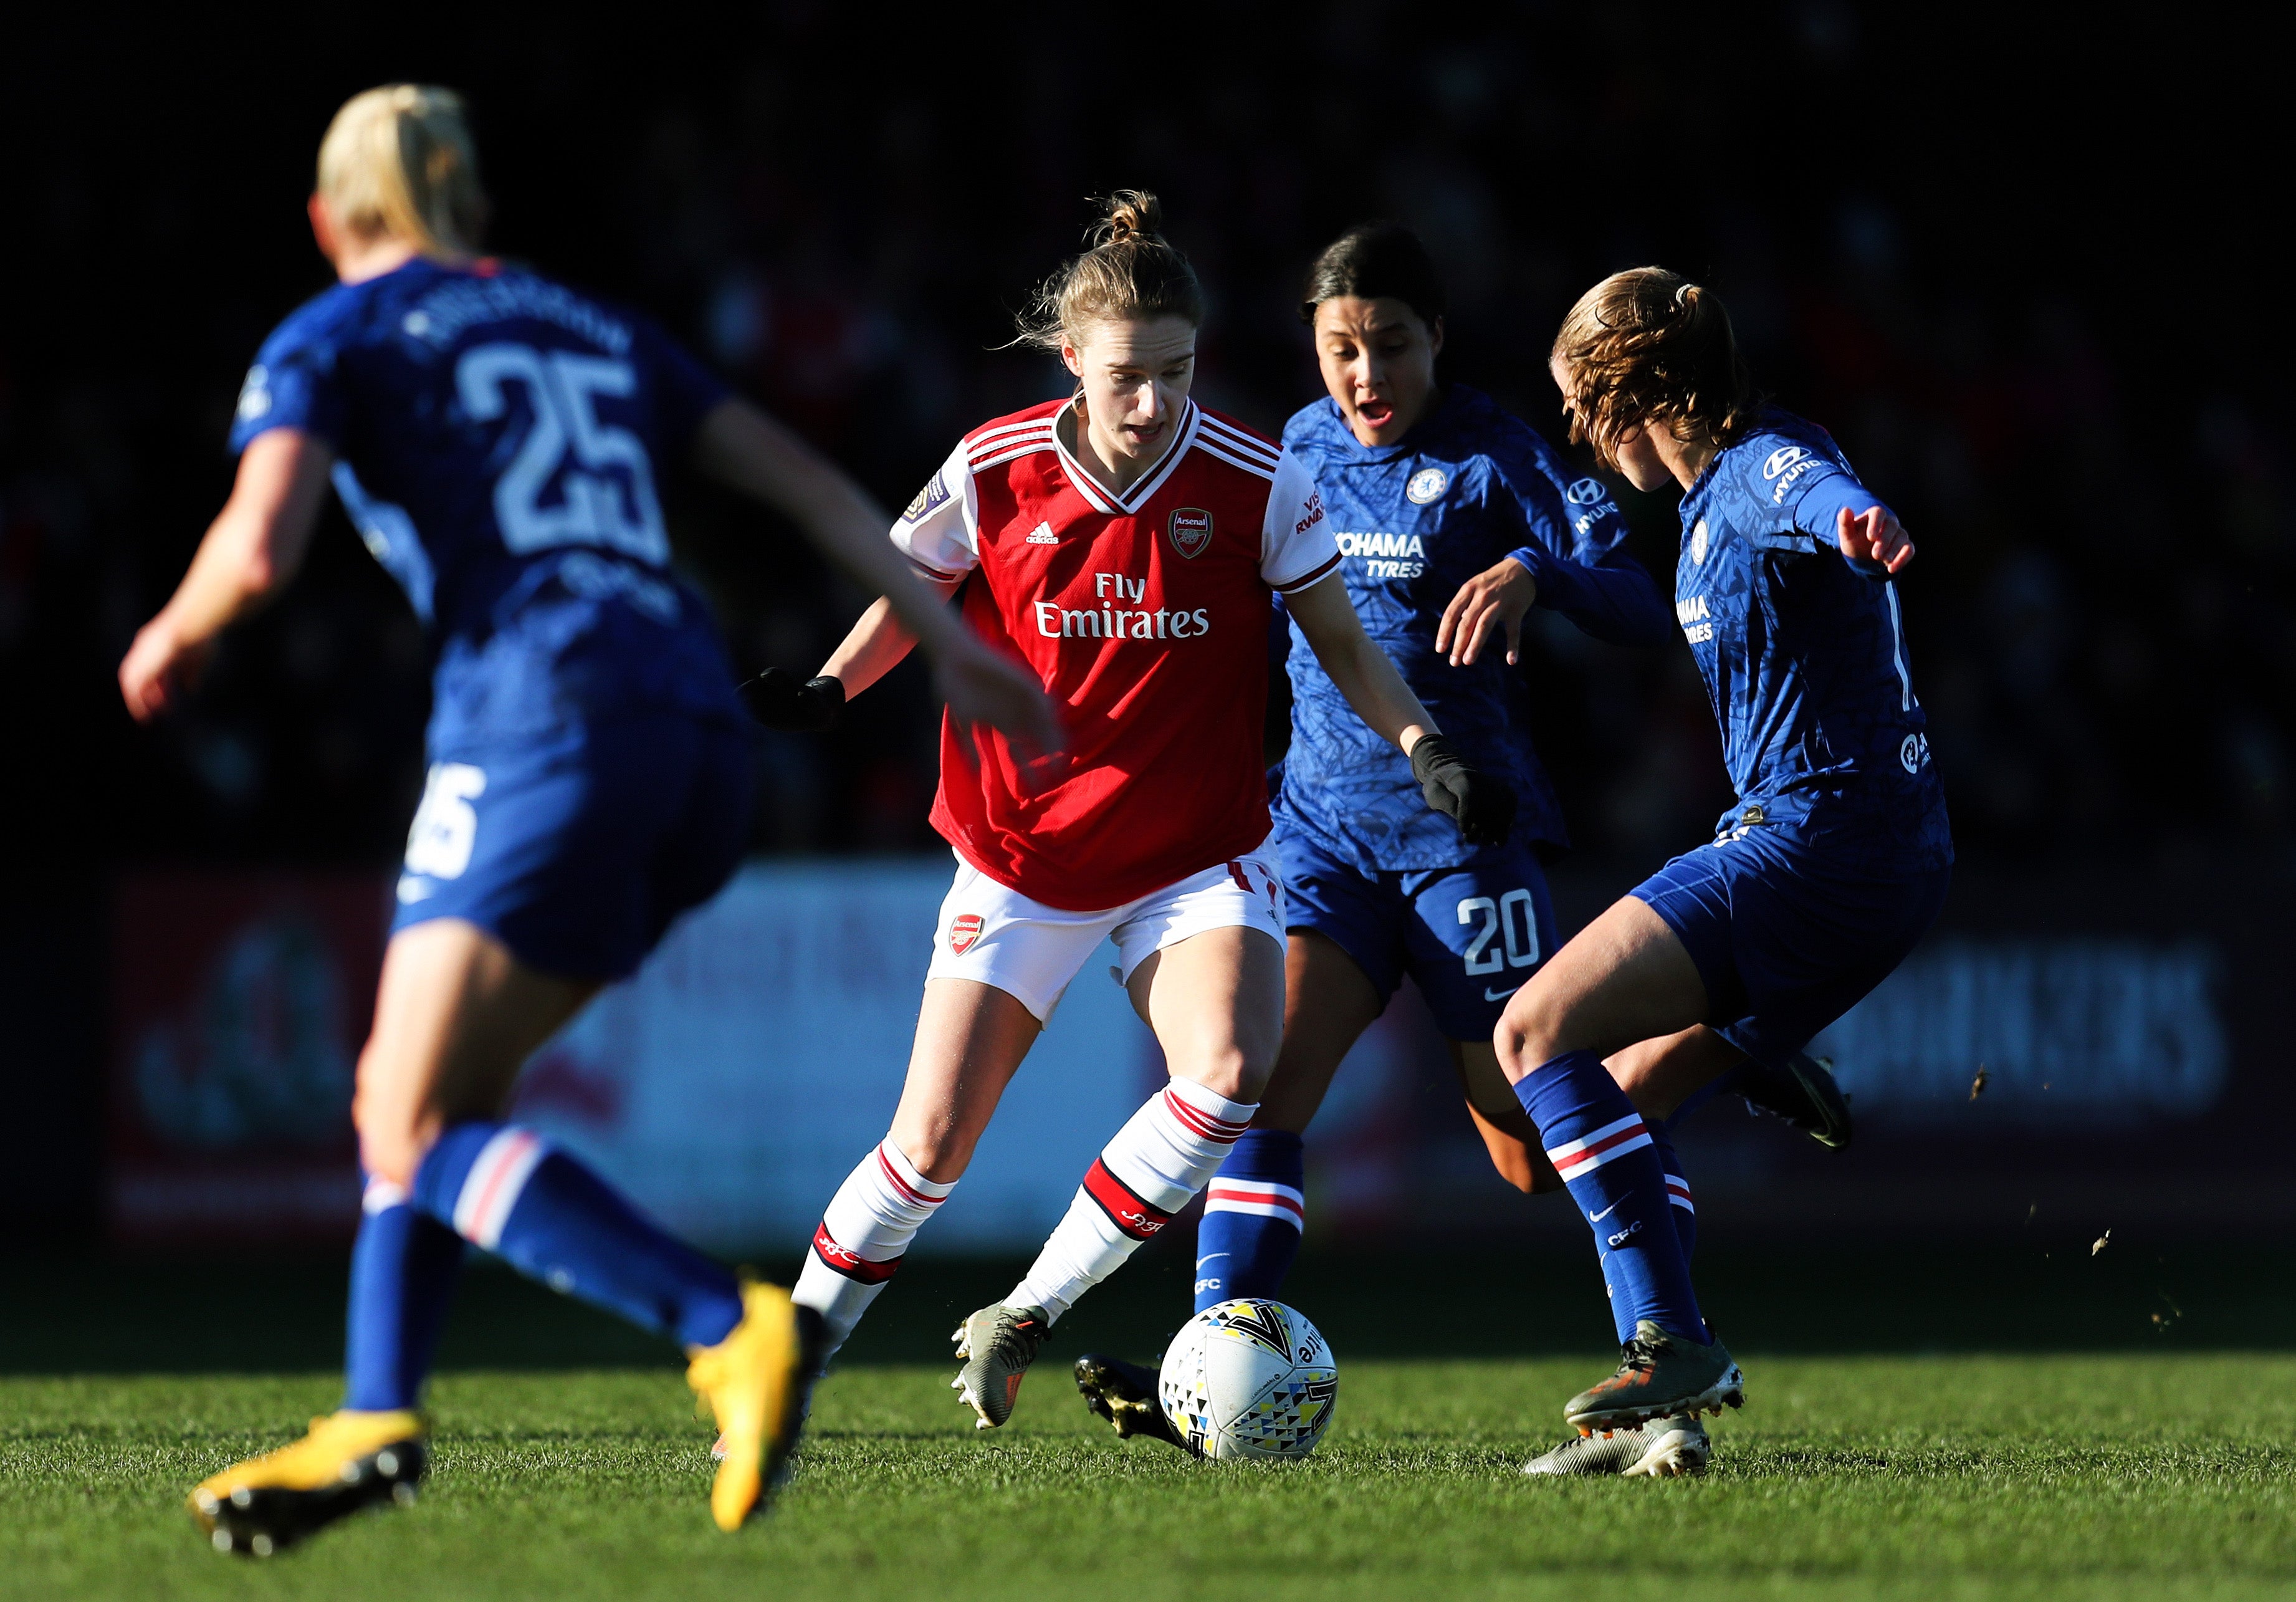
(2099, 615)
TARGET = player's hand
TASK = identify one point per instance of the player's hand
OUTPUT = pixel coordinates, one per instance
(981, 686)
(159, 669)
(1481, 806)
(1873, 535)
(1497, 595)
(779, 699)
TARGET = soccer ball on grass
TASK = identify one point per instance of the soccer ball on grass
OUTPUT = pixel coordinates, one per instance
(1249, 1379)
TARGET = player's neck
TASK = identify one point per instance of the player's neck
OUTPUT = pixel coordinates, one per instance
(1686, 459)
(1111, 469)
(356, 261)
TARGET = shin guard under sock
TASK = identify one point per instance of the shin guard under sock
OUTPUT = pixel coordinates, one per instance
(1254, 1213)
(1602, 1149)
(404, 1266)
(862, 1237)
(1157, 1162)
(504, 1188)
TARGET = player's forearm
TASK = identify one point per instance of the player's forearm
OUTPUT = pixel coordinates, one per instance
(873, 648)
(257, 542)
(1616, 601)
(1362, 672)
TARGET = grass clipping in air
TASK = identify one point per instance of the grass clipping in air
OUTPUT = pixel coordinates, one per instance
(2027, 1476)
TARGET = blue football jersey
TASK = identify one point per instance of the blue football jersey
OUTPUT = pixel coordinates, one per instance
(1468, 486)
(497, 439)
(1804, 654)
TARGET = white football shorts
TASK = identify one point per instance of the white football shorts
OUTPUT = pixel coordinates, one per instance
(992, 934)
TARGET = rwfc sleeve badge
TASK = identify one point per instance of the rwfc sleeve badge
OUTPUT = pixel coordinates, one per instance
(1191, 528)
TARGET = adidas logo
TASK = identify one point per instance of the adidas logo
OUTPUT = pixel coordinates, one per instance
(1042, 534)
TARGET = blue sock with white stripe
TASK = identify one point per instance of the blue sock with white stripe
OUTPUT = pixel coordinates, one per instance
(504, 1188)
(1677, 1188)
(1254, 1212)
(1600, 1146)
(404, 1266)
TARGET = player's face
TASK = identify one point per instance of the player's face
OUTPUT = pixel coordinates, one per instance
(1135, 373)
(1378, 358)
(1630, 450)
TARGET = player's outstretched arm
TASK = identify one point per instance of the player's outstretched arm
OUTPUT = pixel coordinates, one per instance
(742, 447)
(250, 551)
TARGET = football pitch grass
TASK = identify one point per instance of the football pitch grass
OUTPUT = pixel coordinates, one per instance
(2167, 1470)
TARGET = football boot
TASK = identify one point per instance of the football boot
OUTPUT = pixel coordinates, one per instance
(1660, 1375)
(755, 1382)
(1803, 1093)
(348, 1461)
(1663, 1448)
(1125, 1394)
(997, 1344)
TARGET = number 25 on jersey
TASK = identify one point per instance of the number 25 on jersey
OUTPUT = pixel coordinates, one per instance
(604, 480)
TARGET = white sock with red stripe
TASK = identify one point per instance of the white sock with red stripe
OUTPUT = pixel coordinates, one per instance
(1153, 1167)
(862, 1237)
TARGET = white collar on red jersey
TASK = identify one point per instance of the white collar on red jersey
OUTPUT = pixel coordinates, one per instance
(1146, 485)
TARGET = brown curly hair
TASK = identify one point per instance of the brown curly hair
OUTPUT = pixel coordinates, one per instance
(1645, 348)
(1130, 271)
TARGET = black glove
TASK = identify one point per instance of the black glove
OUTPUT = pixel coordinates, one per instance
(1481, 806)
(778, 699)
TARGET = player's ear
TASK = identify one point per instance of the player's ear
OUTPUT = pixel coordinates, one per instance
(323, 226)
(1435, 337)
(1072, 358)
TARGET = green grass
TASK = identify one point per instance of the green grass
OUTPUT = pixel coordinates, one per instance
(2163, 1474)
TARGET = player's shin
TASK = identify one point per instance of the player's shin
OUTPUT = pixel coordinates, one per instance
(862, 1237)
(1155, 1165)
(1603, 1150)
(1254, 1213)
(504, 1188)
(404, 1266)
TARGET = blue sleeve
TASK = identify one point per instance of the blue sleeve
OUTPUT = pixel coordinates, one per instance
(1575, 555)
(1801, 513)
(684, 392)
(295, 382)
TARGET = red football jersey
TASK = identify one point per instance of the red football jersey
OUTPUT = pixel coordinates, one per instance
(1145, 615)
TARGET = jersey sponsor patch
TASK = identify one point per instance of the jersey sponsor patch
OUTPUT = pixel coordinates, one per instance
(932, 495)
(1042, 534)
(1426, 485)
(1587, 492)
(964, 932)
(1191, 528)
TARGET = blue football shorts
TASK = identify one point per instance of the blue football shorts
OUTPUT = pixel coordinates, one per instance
(578, 846)
(1786, 942)
(1469, 935)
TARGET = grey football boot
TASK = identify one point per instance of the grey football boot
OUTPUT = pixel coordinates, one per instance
(1125, 1394)
(1803, 1093)
(1663, 1448)
(1660, 1375)
(997, 1344)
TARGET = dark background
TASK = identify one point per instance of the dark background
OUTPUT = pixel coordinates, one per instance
(2023, 264)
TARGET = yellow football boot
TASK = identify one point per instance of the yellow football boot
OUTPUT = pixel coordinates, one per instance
(348, 1461)
(757, 1382)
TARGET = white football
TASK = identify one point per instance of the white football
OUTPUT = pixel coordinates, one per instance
(1249, 1379)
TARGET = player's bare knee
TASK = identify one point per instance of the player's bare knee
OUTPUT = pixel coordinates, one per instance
(1230, 1071)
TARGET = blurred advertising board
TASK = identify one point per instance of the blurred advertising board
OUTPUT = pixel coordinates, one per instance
(239, 1004)
(2072, 1051)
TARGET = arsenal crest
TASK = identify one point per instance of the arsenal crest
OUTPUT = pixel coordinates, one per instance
(1191, 528)
(962, 930)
